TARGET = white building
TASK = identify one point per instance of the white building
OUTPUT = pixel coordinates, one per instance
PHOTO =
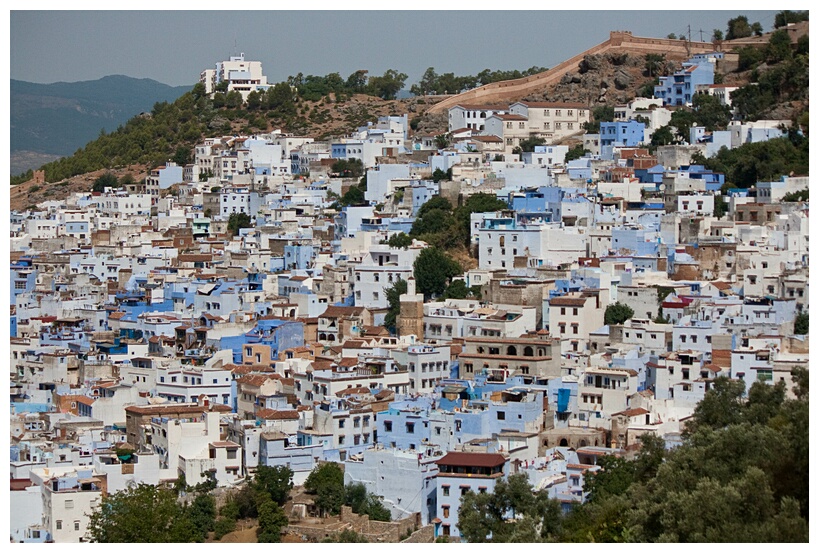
(472, 116)
(378, 270)
(241, 75)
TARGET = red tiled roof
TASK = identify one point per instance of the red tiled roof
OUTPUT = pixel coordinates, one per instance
(275, 415)
(463, 459)
(632, 412)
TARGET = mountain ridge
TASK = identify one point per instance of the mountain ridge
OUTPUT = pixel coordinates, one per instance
(55, 119)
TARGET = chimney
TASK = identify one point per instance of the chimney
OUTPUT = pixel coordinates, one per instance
(411, 286)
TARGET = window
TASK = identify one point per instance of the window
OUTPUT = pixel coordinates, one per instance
(231, 453)
(59, 525)
(69, 504)
(444, 489)
(341, 423)
(410, 428)
(501, 415)
(388, 426)
(341, 440)
(446, 511)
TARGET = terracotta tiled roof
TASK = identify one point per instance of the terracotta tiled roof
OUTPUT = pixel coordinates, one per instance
(569, 302)
(275, 415)
(632, 412)
(338, 311)
(486, 460)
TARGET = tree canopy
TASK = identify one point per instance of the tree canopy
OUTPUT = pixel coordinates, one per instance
(433, 269)
(326, 481)
(148, 514)
(618, 313)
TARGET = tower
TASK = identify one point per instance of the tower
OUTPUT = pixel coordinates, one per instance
(411, 314)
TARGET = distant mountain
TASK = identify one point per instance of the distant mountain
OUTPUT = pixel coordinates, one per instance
(56, 119)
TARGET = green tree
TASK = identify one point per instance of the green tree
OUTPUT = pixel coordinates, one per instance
(387, 85)
(458, 290)
(749, 57)
(127, 178)
(662, 137)
(254, 100)
(357, 81)
(353, 196)
(513, 512)
(787, 16)
(721, 406)
(202, 513)
(348, 168)
(438, 175)
(575, 152)
(717, 35)
(720, 206)
(709, 112)
(280, 99)
(617, 313)
(364, 503)
(800, 325)
(400, 240)
(393, 295)
(441, 142)
(198, 91)
(476, 203)
(106, 180)
(142, 514)
(238, 221)
(528, 144)
(738, 27)
(778, 48)
(427, 83)
(433, 269)
(233, 99)
(326, 481)
(275, 481)
(271, 521)
(182, 156)
(433, 221)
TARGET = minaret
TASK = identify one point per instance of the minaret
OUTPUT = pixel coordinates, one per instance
(411, 315)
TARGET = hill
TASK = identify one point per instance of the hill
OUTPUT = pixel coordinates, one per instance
(601, 77)
(53, 120)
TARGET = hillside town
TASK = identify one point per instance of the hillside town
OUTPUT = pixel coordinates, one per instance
(289, 301)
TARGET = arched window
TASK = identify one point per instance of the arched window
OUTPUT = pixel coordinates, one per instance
(528, 351)
(511, 350)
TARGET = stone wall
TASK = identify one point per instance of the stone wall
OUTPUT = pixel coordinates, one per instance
(423, 535)
(515, 89)
(390, 532)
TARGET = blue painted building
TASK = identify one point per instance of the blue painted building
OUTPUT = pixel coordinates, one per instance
(678, 89)
(22, 277)
(299, 256)
(637, 241)
(627, 134)
(541, 203)
(278, 334)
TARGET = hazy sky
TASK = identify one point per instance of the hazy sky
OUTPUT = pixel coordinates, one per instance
(173, 47)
